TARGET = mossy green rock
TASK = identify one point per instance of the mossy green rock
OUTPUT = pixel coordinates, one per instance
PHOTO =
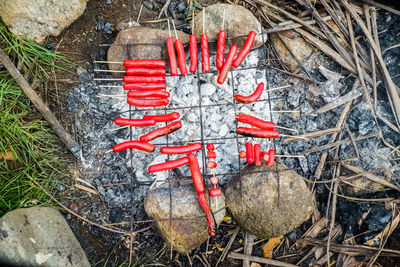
(256, 208)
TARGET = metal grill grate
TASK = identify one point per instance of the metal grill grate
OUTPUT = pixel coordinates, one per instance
(262, 65)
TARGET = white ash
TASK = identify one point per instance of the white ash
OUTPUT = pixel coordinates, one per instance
(214, 105)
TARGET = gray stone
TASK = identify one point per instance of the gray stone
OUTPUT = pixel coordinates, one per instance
(239, 21)
(39, 236)
(184, 235)
(291, 48)
(257, 210)
(37, 19)
(136, 37)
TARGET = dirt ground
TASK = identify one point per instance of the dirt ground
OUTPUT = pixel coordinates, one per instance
(80, 43)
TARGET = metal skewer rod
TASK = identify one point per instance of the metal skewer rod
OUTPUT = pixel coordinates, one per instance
(176, 35)
(169, 28)
(119, 71)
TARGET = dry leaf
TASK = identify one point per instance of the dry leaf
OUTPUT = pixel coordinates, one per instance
(7, 155)
(269, 246)
(88, 189)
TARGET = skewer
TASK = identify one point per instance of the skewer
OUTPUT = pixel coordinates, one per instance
(279, 156)
(117, 71)
(173, 25)
(113, 96)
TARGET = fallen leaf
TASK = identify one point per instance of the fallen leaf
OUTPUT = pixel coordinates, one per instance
(269, 246)
(85, 188)
(218, 247)
(7, 155)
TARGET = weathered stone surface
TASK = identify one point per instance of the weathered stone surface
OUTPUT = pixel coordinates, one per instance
(185, 235)
(155, 47)
(37, 19)
(239, 21)
(257, 210)
(291, 43)
(39, 236)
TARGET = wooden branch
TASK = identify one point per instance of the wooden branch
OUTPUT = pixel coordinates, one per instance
(248, 247)
(292, 25)
(238, 256)
(390, 86)
(312, 134)
(394, 11)
(292, 17)
(339, 101)
(339, 124)
(338, 143)
(371, 177)
(71, 144)
(352, 250)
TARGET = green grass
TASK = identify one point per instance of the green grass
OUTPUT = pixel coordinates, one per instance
(24, 136)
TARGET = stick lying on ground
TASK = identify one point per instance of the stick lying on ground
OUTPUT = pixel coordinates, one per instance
(71, 144)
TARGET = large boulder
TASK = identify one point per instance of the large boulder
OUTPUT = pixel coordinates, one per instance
(254, 205)
(37, 19)
(140, 43)
(39, 236)
(184, 234)
(239, 21)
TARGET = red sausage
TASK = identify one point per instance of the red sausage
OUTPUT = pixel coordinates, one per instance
(143, 79)
(257, 154)
(168, 165)
(214, 192)
(134, 144)
(193, 53)
(134, 122)
(271, 157)
(211, 165)
(205, 56)
(249, 153)
(146, 71)
(211, 155)
(242, 154)
(139, 102)
(223, 73)
(161, 131)
(257, 132)
(264, 156)
(214, 180)
(181, 149)
(251, 98)
(199, 186)
(172, 57)
(210, 147)
(245, 50)
(266, 125)
(181, 57)
(219, 59)
(163, 118)
(144, 86)
(150, 93)
(145, 63)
